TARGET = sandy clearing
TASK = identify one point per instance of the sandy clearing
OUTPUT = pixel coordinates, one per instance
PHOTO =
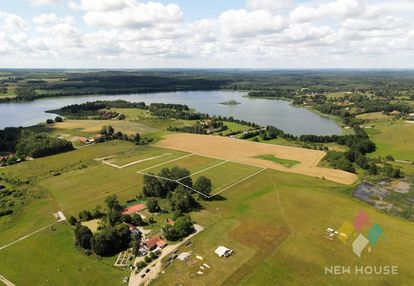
(243, 151)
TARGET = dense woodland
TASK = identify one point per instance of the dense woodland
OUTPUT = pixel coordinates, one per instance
(31, 84)
(26, 143)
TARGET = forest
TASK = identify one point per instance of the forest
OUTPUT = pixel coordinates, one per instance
(32, 84)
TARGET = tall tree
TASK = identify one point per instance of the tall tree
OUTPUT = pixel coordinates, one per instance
(204, 186)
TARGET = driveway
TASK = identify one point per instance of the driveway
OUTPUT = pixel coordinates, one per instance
(156, 266)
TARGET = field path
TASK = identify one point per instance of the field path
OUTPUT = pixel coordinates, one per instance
(5, 281)
(242, 151)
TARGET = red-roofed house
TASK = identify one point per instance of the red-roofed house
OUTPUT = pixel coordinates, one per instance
(133, 209)
(161, 243)
(152, 242)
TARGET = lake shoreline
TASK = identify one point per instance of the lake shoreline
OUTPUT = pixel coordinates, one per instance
(280, 113)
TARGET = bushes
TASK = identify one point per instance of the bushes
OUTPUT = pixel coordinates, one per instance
(111, 240)
(83, 236)
(58, 119)
(152, 205)
(40, 145)
(6, 212)
(182, 228)
(338, 160)
(85, 215)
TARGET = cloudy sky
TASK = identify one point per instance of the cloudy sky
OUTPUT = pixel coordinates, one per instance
(207, 34)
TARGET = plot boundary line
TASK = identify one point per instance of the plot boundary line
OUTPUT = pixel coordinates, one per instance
(238, 182)
(176, 159)
(6, 282)
(208, 168)
(198, 192)
(233, 161)
(133, 163)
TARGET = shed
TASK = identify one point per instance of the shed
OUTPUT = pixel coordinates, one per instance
(222, 251)
(184, 256)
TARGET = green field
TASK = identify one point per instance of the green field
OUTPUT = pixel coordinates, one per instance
(275, 224)
(284, 162)
(273, 221)
(192, 163)
(394, 138)
(143, 153)
(234, 127)
(50, 258)
(227, 174)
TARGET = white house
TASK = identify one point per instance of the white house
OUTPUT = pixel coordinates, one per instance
(222, 251)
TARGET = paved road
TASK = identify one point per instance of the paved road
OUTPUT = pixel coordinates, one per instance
(156, 266)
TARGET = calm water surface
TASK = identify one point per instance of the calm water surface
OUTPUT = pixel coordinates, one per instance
(279, 113)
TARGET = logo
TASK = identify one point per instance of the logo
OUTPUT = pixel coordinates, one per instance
(362, 234)
(354, 231)
(361, 222)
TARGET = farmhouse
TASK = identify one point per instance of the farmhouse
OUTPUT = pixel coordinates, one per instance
(134, 209)
(154, 242)
(85, 141)
(222, 251)
(161, 244)
(410, 116)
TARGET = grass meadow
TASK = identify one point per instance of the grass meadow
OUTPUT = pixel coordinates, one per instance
(275, 224)
(393, 138)
(273, 221)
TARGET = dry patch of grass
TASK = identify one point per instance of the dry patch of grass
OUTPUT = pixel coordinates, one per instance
(92, 224)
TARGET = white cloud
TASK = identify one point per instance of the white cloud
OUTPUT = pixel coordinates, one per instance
(51, 19)
(135, 15)
(10, 21)
(338, 8)
(268, 5)
(45, 2)
(104, 5)
(267, 33)
(242, 23)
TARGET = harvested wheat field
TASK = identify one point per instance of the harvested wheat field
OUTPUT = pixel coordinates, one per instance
(244, 152)
(96, 125)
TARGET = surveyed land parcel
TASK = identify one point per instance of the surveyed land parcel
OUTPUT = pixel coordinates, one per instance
(246, 152)
(273, 220)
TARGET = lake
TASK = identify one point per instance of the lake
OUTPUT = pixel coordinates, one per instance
(280, 113)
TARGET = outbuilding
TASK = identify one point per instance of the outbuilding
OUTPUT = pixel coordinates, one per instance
(222, 251)
(184, 256)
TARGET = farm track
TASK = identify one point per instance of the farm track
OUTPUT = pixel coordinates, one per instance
(261, 254)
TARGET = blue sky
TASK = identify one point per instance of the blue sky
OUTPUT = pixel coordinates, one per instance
(214, 33)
